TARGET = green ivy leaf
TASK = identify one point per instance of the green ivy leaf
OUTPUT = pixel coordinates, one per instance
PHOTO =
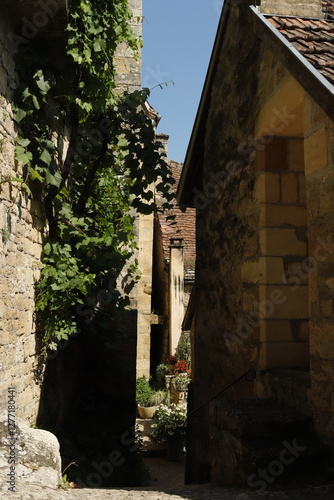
(22, 156)
(46, 157)
(19, 115)
(43, 84)
(47, 249)
(23, 142)
(35, 102)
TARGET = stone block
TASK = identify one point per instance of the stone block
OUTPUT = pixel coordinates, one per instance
(267, 188)
(300, 8)
(289, 188)
(304, 331)
(302, 189)
(265, 270)
(316, 154)
(276, 330)
(283, 215)
(296, 155)
(284, 355)
(37, 451)
(282, 115)
(248, 302)
(281, 242)
(284, 302)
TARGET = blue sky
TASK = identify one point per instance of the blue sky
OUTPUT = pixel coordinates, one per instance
(178, 39)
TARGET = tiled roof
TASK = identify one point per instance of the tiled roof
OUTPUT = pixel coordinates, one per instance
(313, 38)
(184, 227)
(328, 8)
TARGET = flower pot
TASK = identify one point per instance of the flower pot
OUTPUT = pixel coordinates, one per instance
(175, 447)
(171, 369)
(179, 397)
(146, 411)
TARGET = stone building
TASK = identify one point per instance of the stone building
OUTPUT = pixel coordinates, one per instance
(23, 230)
(174, 255)
(22, 226)
(259, 171)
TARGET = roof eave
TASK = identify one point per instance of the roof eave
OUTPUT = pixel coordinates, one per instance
(306, 74)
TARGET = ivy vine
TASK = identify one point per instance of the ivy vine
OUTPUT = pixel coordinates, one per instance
(90, 156)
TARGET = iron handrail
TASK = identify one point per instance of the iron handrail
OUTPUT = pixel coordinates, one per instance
(253, 375)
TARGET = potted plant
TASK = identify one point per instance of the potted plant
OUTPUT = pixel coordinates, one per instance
(171, 362)
(179, 388)
(170, 427)
(161, 372)
(181, 366)
(145, 397)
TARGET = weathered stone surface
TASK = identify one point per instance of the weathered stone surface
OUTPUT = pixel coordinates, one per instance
(21, 236)
(278, 204)
(36, 452)
(301, 8)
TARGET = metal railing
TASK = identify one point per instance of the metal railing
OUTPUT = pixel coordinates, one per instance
(252, 376)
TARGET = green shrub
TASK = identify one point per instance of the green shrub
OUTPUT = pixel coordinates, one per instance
(144, 392)
(183, 350)
(161, 372)
(160, 398)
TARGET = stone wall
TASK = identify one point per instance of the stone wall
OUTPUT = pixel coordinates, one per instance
(227, 235)
(264, 275)
(319, 147)
(21, 235)
(128, 67)
(22, 225)
(302, 8)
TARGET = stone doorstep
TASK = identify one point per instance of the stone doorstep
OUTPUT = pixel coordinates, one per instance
(149, 445)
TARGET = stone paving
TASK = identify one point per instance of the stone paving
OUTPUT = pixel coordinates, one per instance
(167, 480)
(206, 492)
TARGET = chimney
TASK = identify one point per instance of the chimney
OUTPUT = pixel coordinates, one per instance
(163, 138)
(298, 8)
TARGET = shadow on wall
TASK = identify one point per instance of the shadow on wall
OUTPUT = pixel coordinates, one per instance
(88, 401)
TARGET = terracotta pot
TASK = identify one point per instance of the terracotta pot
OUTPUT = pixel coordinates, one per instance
(175, 448)
(146, 411)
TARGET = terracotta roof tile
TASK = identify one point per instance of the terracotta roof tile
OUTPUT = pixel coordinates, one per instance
(184, 227)
(313, 38)
(328, 8)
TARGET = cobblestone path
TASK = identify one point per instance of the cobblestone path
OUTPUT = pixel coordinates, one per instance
(32, 492)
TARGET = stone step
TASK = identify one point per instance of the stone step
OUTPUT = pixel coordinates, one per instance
(289, 387)
(263, 435)
(264, 418)
(302, 455)
(149, 446)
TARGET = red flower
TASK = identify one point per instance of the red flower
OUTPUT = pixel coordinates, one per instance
(181, 366)
(171, 360)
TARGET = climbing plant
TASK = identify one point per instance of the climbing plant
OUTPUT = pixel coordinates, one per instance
(89, 154)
